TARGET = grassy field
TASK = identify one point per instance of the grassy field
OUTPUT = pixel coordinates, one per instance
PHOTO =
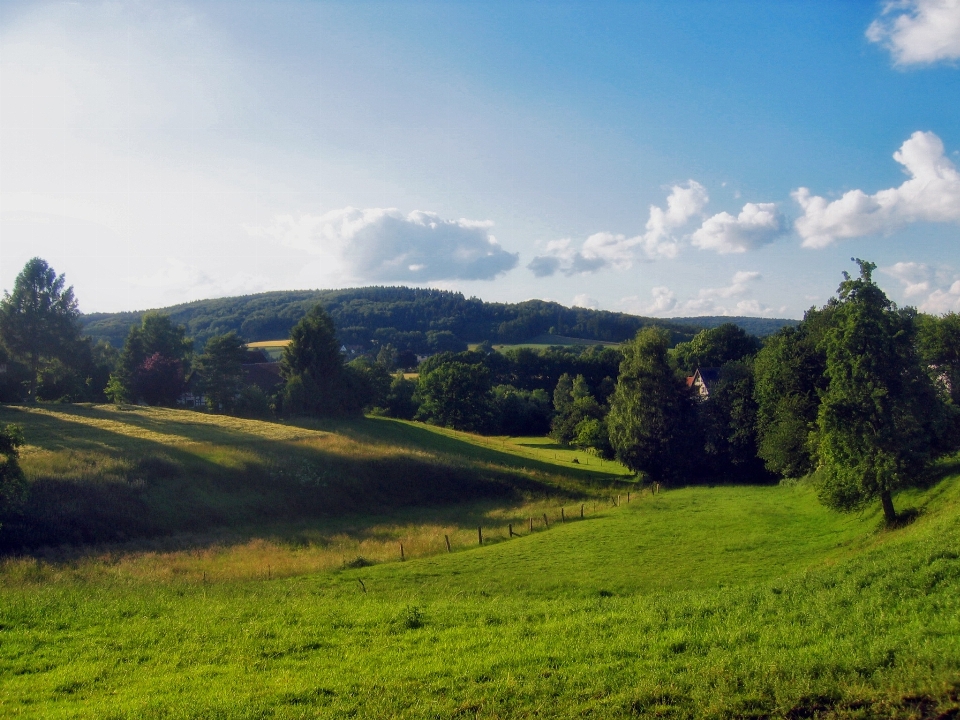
(541, 342)
(177, 491)
(696, 602)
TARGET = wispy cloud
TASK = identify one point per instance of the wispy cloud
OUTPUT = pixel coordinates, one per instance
(932, 194)
(919, 32)
(384, 245)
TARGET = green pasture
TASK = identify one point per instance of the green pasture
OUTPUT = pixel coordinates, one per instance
(724, 602)
(541, 342)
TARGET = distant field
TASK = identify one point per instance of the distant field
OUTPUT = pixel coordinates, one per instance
(545, 341)
(724, 602)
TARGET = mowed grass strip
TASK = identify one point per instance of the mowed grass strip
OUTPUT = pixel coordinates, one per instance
(705, 602)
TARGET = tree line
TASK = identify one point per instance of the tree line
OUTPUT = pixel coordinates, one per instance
(861, 393)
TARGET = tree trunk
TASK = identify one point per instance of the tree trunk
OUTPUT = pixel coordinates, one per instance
(889, 514)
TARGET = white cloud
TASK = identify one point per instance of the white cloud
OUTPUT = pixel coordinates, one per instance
(932, 194)
(931, 289)
(919, 32)
(606, 250)
(758, 224)
(585, 301)
(384, 245)
(726, 300)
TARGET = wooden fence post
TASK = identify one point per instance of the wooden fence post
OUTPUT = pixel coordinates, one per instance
(563, 517)
(581, 511)
(531, 524)
(447, 538)
(479, 535)
(402, 558)
(545, 521)
(510, 529)
(628, 497)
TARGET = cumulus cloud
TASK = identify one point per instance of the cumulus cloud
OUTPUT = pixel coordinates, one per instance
(726, 300)
(931, 289)
(931, 194)
(919, 32)
(609, 250)
(585, 301)
(758, 224)
(384, 245)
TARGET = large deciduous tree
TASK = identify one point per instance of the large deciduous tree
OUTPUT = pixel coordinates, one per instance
(651, 420)
(877, 424)
(789, 377)
(715, 347)
(39, 320)
(153, 363)
(455, 394)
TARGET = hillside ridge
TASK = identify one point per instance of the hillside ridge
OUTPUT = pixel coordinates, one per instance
(415, 319)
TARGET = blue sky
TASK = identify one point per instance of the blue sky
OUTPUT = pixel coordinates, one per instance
(660, 158)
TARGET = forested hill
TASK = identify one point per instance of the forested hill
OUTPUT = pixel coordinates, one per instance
(419, 320)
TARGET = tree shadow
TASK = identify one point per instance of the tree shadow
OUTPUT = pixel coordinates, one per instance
(111, 487)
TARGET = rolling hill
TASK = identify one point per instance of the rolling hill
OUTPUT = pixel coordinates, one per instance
(418, 320)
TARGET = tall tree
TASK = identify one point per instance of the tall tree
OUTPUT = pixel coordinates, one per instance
(316, 382)
(650, 419)
(39, 320)
(220, 371)
(789, 377)
(877, 422)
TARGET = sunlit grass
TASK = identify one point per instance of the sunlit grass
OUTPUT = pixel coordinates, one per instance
(245, 595)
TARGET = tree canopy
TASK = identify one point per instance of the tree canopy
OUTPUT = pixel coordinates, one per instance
(316, 382)
(39, 320)
(153, 364)
(877, 423)
(650, 417)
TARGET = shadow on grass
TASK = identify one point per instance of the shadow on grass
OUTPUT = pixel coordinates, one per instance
(95, 485)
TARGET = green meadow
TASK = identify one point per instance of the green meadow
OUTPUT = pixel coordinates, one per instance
(201, 566)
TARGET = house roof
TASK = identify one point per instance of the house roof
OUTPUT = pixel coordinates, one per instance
(709, 375)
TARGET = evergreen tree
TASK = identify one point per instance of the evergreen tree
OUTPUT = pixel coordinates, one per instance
(877, 423)
(651, 419)
(39, 320)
